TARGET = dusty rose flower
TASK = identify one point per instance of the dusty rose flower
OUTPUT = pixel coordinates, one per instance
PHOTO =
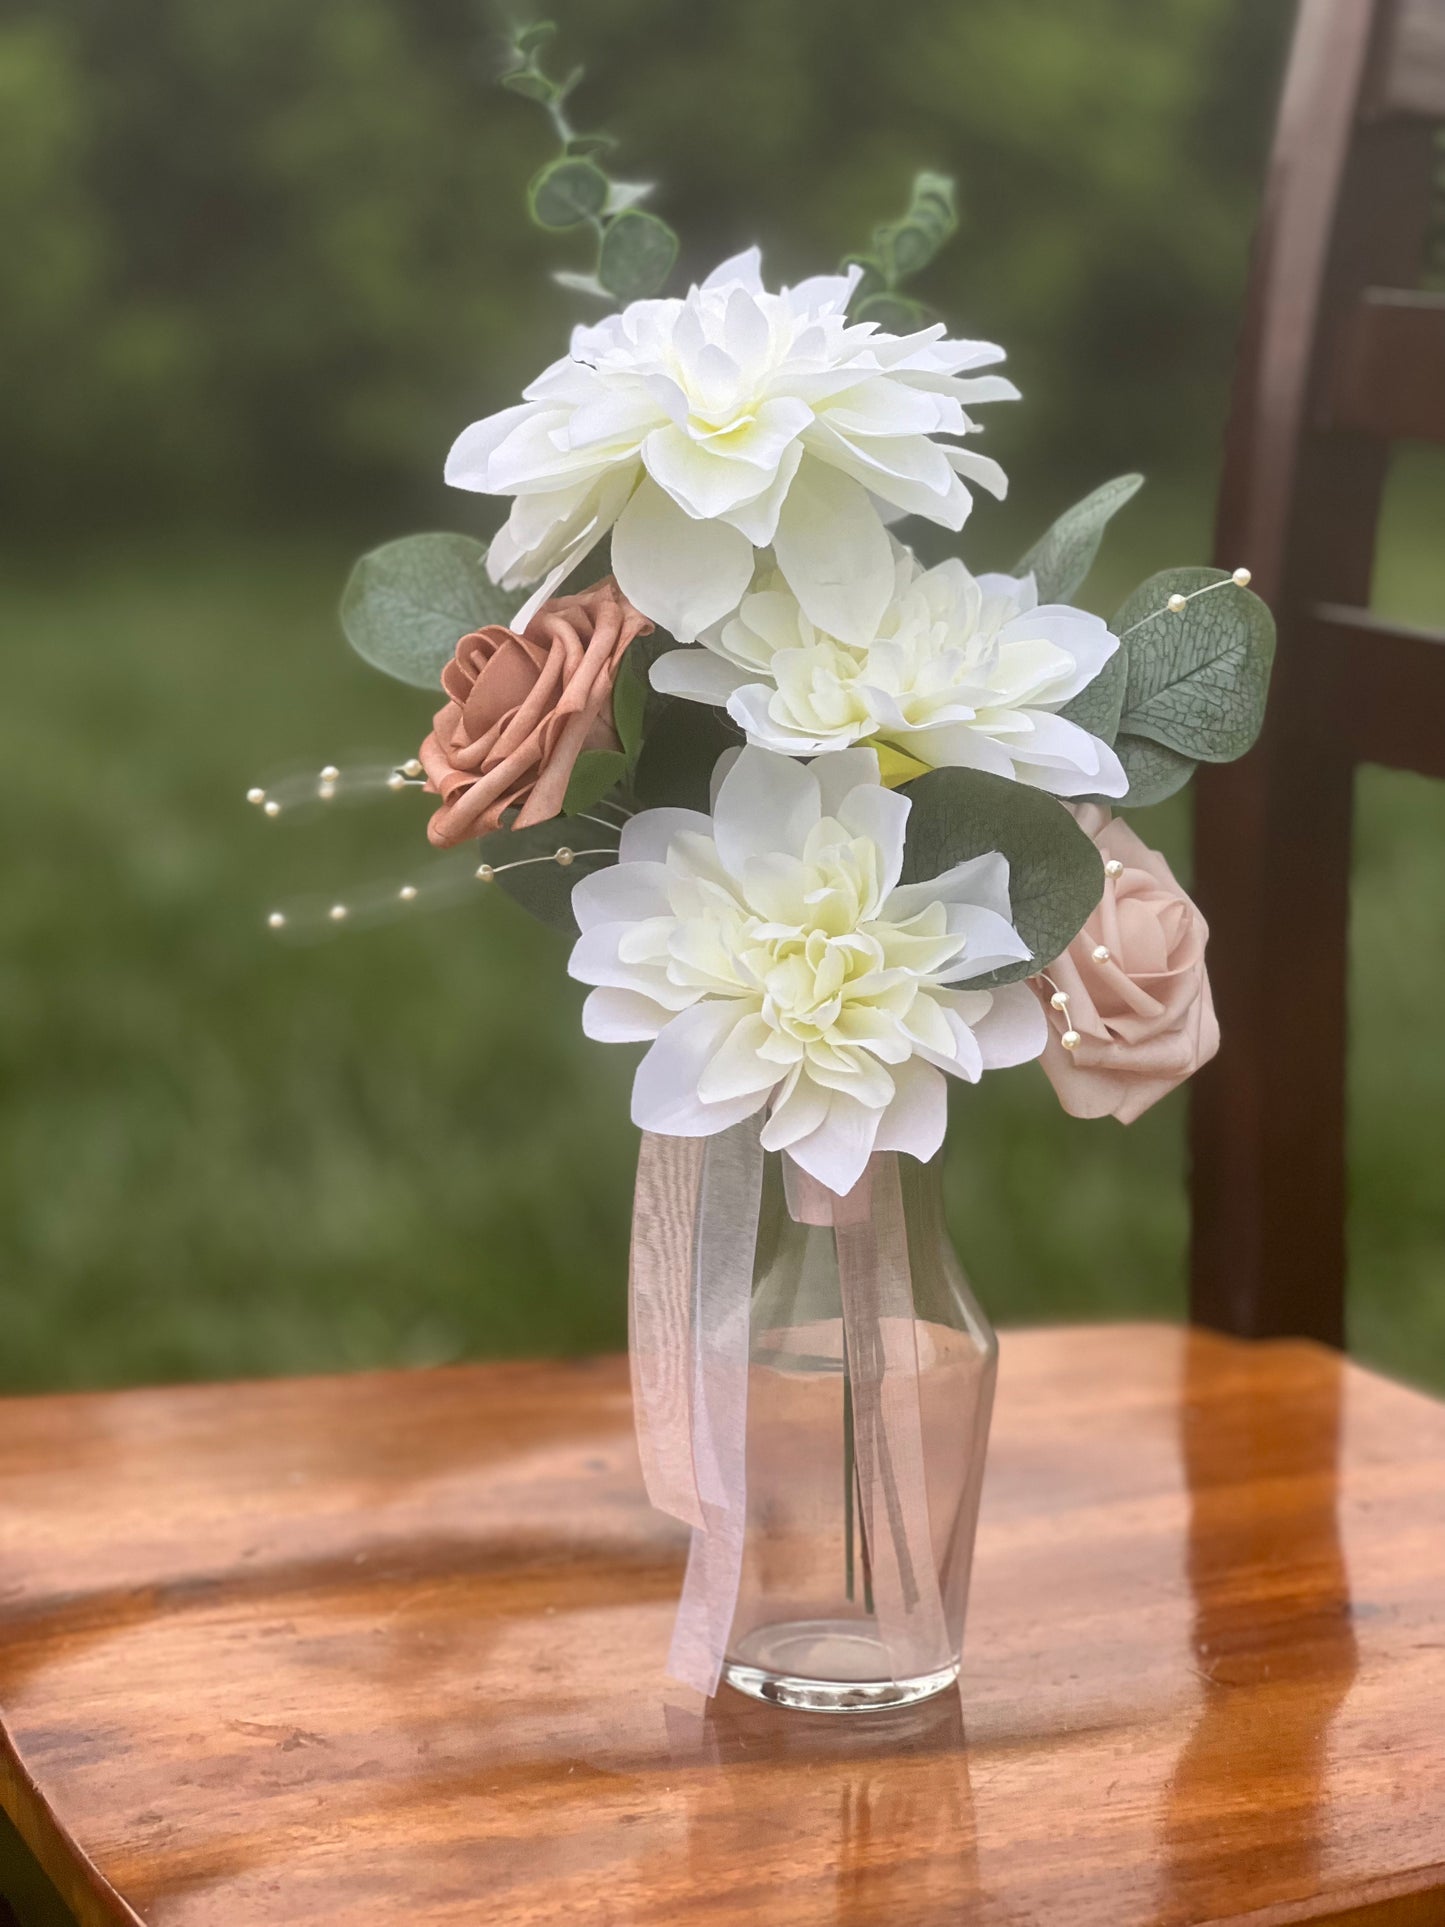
(523, 708)
(1137, 988)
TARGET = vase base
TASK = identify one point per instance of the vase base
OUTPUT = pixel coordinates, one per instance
(826, 1666)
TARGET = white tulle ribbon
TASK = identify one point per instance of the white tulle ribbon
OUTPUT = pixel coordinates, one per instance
(694, 1234)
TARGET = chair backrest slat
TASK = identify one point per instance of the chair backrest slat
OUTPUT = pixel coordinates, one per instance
(1389, 367)
(1396, 679)
(1412, 62)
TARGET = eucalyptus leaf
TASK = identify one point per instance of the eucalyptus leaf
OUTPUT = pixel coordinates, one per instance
(530, 85)
(544, 888)
(1198, 678)
(624, 194)
(590, 143)
(683, 742)
(568, 191)
(528, 39)
(1155, 773)
(407, 604)
(1098, 705)
(1056, 876)
(595, 772)
(629, 703)
(1063, 556)
(636, 255)
(895, 312)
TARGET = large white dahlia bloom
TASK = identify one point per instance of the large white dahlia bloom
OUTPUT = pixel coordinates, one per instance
(962, 672)
(729, 421)
(776, 963)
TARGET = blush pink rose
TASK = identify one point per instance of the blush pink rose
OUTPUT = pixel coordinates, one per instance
(1143, 1011)
(522, 709)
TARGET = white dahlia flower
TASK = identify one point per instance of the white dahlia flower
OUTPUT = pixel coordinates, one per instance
(733, 420)
(776, 963)
(961, 672)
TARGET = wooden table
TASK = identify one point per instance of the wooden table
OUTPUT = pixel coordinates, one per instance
(388, 1649)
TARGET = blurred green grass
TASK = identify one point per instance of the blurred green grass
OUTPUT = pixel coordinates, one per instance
(220, 1155)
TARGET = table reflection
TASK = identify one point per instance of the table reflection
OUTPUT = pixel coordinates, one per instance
(1273, 1636)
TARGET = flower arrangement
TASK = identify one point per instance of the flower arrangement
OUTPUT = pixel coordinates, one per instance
(827, 827)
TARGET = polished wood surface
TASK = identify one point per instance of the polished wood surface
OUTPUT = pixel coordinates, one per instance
(1341, 353)
(388, 1649)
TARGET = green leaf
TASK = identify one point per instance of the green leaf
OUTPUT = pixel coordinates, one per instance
(683, 743)
(622, 195)
(1098, 705)
(1154, 773)
(1056, 876)
(629, 703)
(1197, 679)
(566, 192)
(527, 40)
(636, 255)
(529, 84)
(590, 143)
(894, 312)
(1061, 558)
(594, 773)
(407, 604)
(544, 889)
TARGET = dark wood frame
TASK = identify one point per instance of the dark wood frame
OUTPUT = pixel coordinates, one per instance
(1340, 354)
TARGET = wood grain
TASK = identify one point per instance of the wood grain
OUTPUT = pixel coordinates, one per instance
(388, 1648)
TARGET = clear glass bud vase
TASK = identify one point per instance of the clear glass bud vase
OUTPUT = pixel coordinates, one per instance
(811, 1627)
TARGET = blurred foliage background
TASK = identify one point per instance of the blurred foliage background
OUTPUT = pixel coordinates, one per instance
(263, 262)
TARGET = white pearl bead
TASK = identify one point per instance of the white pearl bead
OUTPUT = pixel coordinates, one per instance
(337, 913)
(255, 796)
(273, 808)
(1243, 578)
(326, 791)
(1101, 953)
(407, 892)
(276, 920)
(1176, 603)
(1070, 1040)
(485, 872)
(396, 781)
(330, 773)
(1059, 1000)
(411, 767)
(564, 856)
(1113, 868)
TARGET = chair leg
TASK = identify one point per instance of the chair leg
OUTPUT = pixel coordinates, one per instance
(1267, 1132)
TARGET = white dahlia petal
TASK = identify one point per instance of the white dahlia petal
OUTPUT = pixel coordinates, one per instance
(681, 573)
(981, 880)
(836, 1150)
(1015, 1029)
(739, 270)
(698, 674)
(649, 835)
(621, 893)
(766, 805)
(917, 1118)
(622, 1017)
(665, 1091)
(834, 553)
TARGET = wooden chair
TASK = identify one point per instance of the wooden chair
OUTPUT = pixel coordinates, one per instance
(388, 1648)
(1343, 353)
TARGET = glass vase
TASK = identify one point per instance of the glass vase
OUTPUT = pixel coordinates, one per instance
(806, 1632)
